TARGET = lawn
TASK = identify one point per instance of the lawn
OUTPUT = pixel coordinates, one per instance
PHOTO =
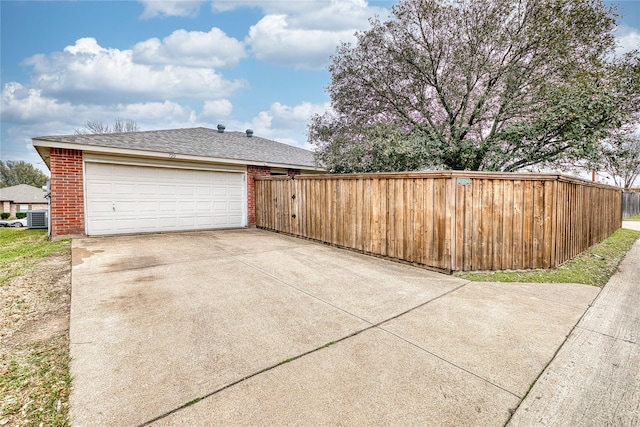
(35, 293)
(592, 267)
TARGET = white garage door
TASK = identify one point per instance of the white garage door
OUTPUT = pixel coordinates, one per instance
(133, 199)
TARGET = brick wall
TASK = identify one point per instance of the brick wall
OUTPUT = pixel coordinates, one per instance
(292, 172)
(253, 171)
(67, 192)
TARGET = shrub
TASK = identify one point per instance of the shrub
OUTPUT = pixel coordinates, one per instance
(5, 215)
(20, 215)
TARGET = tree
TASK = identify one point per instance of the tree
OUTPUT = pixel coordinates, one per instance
(476, 84)
(619, 156)
(20, 172)
(119, 126)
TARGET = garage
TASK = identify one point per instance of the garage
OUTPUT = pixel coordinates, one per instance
(124, 198)
(161, 180)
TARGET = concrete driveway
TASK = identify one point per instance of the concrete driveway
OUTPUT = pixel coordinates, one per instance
(249, 327)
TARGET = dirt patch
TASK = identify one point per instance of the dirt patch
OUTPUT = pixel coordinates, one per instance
(79, 254)
(34, 343)
(38, 301)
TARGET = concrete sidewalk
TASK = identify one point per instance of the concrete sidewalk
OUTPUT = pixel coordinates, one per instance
(246, 327)
(594, 380)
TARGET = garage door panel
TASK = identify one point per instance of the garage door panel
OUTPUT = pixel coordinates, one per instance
(99, 188)
(167, 190)
(123, 207)
(220, 191)
(122, 189)
(204, 177)
(148, 173)
(220, 221)
(204, 221)
(235, 218)
(204, 191)
(188, 222)
(167, 223)
(148, 189)
(167, 206)
(102, 226)
(235, 195)
(101, 205)
(235, 207)
(124, 224)
(161, 199)
(184, 208)
(148, 207)
(185, 175)
(186, 190)
(221, 206)
(203, 206)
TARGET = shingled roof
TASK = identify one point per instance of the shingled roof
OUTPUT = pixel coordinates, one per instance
(22, 193)
(200, 141)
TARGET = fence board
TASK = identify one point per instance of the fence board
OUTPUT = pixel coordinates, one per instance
(507, 226)
(630, 203)
(445, 220)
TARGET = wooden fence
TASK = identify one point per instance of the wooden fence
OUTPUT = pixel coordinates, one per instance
(630, 203)
(449, 221)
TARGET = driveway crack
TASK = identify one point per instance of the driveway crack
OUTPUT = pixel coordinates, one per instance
(291, 359)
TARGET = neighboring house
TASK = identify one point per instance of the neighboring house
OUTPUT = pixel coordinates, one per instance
(166, 180)
(22, 198)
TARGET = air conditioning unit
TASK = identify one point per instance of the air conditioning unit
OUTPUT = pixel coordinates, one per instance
(37, 219)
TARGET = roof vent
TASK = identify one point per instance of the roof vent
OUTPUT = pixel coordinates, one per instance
(249, 133)
(221, 128)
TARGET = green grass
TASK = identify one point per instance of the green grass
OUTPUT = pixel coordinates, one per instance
(34, 375)
(36, 384)
(21, 248)
(633, 218)
(593, 267)
(192, 402)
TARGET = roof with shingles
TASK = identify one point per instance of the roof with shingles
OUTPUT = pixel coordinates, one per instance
(198, 141)
(22, 193)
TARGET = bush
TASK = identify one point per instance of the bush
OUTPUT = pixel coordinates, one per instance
(5, 215)
(20, 215)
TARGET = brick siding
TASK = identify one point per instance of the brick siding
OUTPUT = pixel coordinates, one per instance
(253, 171)
(67, 192)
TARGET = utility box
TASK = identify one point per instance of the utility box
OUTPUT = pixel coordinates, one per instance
(37, 219)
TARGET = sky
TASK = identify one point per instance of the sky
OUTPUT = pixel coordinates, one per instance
(254, 64)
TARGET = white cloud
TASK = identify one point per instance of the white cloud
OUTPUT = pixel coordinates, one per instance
(280, 122)
(154, 8)
(94, 74)
(26, 107)
(216, 109)
(627, 38)
(299, 114)
(191, 48)
(338, 15)
(312, 14)
(303, 33)
(156, 115)
(273, 41)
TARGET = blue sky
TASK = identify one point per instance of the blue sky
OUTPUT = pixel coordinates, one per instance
(170, 64)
